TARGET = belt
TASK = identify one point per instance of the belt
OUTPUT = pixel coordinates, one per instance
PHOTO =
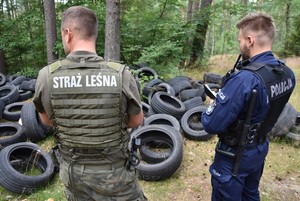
(82, 154)
(106, 166)
(230, 151)
(233, 142)
(74, 150)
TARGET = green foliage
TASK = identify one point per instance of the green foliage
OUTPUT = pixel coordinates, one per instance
(155, 35)
(23, 38)
(98, 7)
(163, 58)
(294, 40)
(222, 33)
(30, 72)
(151, 30)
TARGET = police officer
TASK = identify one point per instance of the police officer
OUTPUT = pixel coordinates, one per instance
(225, 116)
(91, 103)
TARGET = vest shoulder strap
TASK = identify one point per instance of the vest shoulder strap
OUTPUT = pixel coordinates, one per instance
(116, 66)
(254, 67)
(54, 66)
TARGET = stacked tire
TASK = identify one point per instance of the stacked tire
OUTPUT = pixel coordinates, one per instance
(172, 110)
(179, 103)
(176, 97)
(19, 124)
(16, 106)
(18, 160)
(162, 150)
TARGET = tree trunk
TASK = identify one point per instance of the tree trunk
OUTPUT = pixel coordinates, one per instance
(196, 6)
(2, 7)
(2, 62)
(8, 8)
(189, 11)
(29, 26)
(50, 28)
(287, 24)
(186, 49)
(201, 28)
(112, 30)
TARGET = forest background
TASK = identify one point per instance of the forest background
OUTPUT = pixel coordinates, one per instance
(168, 34)
(175, 37)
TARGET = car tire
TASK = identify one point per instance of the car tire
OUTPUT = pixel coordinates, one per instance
(9, 94)
(163, 119)
(15, 160)
(30, 121)
(146, 71)
(164, 103)
(12, 112)
(194, 115)
(166, 168)
(2, 79)
(285, 121)
(11, 133)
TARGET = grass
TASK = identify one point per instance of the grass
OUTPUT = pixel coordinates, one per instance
(191, 182)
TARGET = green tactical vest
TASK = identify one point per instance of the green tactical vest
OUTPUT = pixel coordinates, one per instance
(86, 102)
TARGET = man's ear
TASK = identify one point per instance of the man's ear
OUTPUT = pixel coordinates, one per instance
(68, 33)
(250, 40)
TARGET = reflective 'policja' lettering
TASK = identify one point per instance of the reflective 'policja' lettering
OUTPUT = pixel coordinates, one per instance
(281, 87)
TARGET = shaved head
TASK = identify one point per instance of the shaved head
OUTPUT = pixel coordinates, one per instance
(260, 25)
(81, 21)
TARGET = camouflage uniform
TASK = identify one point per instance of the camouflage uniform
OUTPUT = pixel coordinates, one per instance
(90, 174)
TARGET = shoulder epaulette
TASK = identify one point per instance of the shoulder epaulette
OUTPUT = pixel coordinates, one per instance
(116, 66)
(253, 66)
(54, 66)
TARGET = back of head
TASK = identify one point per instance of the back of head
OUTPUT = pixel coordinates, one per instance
(81, 21)
(262, 25)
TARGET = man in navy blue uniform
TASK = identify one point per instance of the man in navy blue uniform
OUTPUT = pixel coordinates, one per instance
(225, 116)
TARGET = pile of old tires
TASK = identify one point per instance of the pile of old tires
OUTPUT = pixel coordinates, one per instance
(24, 166)
(172, 110)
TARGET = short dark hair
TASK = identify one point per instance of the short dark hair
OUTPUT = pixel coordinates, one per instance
(83, 21)
(258, 22)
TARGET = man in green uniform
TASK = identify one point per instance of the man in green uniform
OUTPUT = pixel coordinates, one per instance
(90, 103)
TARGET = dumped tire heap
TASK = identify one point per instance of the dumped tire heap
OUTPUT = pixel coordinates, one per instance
(172, 111)
(20, 129)
(179, 103)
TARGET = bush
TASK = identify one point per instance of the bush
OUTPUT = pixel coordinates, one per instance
(30, 72)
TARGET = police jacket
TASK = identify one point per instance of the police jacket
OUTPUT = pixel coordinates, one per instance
(232, 100)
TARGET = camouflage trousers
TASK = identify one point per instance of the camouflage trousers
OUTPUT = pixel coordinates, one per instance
(107, 182)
